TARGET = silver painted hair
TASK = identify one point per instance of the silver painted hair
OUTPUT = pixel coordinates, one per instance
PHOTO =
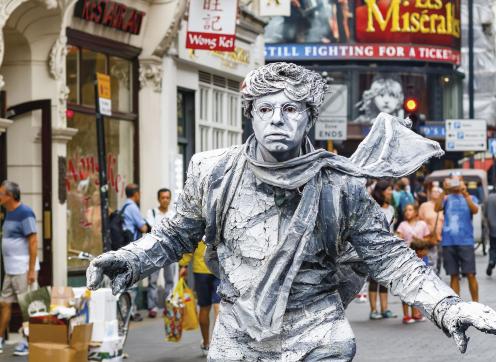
(298, 84)
(13, 189)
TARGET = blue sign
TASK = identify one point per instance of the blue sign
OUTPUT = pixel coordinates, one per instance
(433, 131)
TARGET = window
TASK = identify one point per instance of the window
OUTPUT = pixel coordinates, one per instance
(83, 196)
(82, 64)
(185, 133)
(82, 178)
(219, 125)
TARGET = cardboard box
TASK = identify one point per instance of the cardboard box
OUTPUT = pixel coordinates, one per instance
(54, 343)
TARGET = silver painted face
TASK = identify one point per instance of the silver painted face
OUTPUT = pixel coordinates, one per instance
(279, 136)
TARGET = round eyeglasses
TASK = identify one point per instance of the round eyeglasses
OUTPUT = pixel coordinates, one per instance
(289, 111)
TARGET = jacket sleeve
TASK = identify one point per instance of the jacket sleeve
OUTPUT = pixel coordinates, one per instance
(171, 238)
(388, 259)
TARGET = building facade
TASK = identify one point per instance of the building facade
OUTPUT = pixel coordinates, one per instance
(49, 54)
(202, 93)
(377, 55)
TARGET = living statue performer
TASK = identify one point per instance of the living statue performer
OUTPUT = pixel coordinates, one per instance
(291, 231)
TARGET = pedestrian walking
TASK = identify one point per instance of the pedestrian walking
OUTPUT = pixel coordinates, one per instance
(402, 196)
(434, 220)
(153, 217)
(458, 233)
(206, 285)
(412, 229)
(382, 194)
(135, 225)
(19, 249)
(491, 220)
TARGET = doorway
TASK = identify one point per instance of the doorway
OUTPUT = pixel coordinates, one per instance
(26, 149)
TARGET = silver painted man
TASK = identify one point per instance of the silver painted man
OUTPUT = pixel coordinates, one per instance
(291, 231)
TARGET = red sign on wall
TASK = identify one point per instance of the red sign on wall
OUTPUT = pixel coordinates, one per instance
(212, 25)
(429, 22)
(111, 14)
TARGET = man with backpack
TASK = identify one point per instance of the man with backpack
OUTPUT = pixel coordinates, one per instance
(134, 225)
(153, 217)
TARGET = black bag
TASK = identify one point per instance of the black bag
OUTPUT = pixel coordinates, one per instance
(118, 235)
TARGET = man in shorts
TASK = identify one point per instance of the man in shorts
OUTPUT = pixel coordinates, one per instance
(458, 234)
(19, 249)
(206, 284)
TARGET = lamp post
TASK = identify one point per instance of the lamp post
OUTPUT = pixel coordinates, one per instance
(471, 59)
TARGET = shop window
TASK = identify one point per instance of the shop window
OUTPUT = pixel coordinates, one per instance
(91, 63)
(82, 64)
(219, 125)
(121, 82)
(72, 73)
(83, 197)
(82, 179)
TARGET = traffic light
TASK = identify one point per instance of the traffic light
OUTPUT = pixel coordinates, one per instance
(411, 105)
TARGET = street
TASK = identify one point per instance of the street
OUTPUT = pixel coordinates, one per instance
(384, 340)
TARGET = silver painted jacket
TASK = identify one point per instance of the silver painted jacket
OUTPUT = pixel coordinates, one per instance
(350, 237)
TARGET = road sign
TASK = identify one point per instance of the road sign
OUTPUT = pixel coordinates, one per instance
(433, 131)
(331, 129)
(466, 135)
(104, 94)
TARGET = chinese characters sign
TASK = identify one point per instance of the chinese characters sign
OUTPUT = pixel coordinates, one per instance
(212, 25)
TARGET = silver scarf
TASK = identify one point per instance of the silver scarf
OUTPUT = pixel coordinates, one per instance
(390, 150)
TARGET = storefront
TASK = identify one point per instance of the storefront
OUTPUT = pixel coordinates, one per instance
(203, 87)
(51, 52)
(377, 55)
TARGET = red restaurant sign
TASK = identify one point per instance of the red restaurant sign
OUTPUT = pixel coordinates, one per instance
(111, 14)
(427, 22)
(212, 25)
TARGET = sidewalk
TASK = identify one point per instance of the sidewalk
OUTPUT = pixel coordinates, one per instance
(383, 340)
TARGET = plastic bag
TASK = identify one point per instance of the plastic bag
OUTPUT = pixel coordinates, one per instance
(190, 318)
(173, 317)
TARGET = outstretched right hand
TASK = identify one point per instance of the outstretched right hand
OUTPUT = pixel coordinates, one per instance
(115, 266)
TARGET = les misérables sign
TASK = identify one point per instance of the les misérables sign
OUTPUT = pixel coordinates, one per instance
(422, 22)
(421, 30)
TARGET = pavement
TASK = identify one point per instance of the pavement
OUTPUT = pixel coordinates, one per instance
(383, 340)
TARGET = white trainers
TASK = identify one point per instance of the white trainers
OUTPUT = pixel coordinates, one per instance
(204, 350)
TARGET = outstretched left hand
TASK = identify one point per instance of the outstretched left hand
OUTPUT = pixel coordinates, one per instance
(462, 315)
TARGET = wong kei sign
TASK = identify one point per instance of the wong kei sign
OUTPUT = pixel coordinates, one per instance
(212, 25)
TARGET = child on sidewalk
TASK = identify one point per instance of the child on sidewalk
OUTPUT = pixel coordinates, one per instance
(415, 232)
